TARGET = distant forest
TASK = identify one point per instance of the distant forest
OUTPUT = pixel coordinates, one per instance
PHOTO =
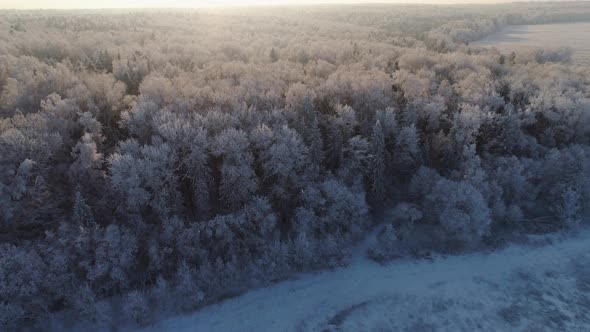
(156, 161)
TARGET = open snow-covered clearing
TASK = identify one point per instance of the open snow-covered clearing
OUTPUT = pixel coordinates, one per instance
(544, 287)
(570, 35)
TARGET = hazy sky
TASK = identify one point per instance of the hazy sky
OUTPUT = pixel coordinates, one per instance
(33, 4)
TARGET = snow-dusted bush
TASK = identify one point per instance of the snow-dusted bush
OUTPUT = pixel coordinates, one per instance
(136, 307)
(386, 245)
(399, 224)
(460, 209)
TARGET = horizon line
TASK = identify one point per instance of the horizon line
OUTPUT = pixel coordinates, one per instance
(290, 4)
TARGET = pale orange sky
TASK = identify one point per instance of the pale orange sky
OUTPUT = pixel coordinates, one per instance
(91, 4)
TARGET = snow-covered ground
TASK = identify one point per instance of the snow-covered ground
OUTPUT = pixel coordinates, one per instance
(543, 287)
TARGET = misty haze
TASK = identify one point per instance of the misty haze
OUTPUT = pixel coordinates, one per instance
(575, 36)
(319, 167)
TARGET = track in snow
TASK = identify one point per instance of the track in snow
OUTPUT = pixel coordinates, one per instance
(542, 288)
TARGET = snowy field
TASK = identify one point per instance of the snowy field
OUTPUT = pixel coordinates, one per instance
(573, 35)
(541, 286)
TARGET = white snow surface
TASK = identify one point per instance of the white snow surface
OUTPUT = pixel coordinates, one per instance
(540, 286)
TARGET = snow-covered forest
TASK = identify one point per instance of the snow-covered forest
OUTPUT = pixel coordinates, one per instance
(157, 161)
